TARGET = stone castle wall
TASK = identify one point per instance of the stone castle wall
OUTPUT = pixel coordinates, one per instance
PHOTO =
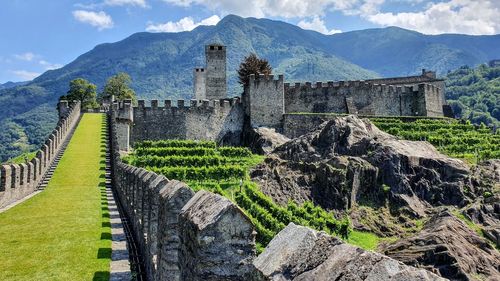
(182, 235)
(363, 98)
(428, 77)
(264, 101)
(216, 120)
(19, 180)
(434, 100)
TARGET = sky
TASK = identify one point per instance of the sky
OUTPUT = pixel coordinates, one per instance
(39, 35)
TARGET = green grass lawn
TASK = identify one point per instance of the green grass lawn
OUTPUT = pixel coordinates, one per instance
(63, 233)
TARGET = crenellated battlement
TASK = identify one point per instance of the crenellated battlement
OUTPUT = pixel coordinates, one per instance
(333, 87)
(265, 80)
(20, 180)
(186, 105)
(217, 120)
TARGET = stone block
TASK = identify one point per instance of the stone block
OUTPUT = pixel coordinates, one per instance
(172, 198)
(300, 253)
(217, 239)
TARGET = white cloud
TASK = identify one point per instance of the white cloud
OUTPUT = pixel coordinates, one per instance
(318, 25)
(101, 20)
(29, 56)
(25, 75)
(455, 16)
(443, 16)
(184, 24)
(278, 8)
(140, 3)
(49, 66)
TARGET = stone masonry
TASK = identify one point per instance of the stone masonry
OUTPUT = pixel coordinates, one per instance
(211, 82)
(19, 180)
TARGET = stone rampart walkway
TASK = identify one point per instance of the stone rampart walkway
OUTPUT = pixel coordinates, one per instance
(64, 233)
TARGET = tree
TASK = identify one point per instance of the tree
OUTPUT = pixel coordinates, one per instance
(83, 91)
(253, 65)
(119, 86)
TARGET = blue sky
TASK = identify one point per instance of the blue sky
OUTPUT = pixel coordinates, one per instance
(37, 35)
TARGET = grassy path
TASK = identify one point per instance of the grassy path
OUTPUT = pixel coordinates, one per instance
(63, 233)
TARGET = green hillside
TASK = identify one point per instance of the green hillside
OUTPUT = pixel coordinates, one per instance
(474, 93)
(394, 51)
(9, 85)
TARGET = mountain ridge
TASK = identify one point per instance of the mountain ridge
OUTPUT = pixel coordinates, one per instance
(161, 64)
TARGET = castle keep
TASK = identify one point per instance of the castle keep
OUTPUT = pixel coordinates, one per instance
(270, 102)
(210, 82)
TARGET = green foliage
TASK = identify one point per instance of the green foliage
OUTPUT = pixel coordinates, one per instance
(176, 143)
(83, 91)
(26, 132)
(23, 158)
(119, 86)
(253, 65)
(474, 94)
(274, 218)
(224, 170)
(365, 240)
(487, 194)
(454, 138)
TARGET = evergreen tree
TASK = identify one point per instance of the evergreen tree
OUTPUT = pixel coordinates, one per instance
(253, 65)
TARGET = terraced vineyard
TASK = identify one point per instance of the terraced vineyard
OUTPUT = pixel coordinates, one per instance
(454, 138)
(225, 170)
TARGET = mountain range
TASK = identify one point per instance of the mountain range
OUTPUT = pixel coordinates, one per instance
(11, 84)
(161, 64)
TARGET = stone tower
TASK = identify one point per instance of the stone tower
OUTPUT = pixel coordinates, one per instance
(200, 83)
(216, 88)
(265, 101)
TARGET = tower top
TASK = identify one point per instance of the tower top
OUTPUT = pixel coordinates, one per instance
(215, 47)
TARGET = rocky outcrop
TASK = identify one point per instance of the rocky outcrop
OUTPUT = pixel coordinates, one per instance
(262, 140)
(349, 160)
(487, 214)
(449, 248)
(300, 253)
(485, 211)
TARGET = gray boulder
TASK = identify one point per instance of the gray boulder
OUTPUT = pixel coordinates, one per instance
(263, 140)
(300, 253)
(447, 246)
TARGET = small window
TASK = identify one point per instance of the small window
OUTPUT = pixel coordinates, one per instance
(220, 48)
(212, 47)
